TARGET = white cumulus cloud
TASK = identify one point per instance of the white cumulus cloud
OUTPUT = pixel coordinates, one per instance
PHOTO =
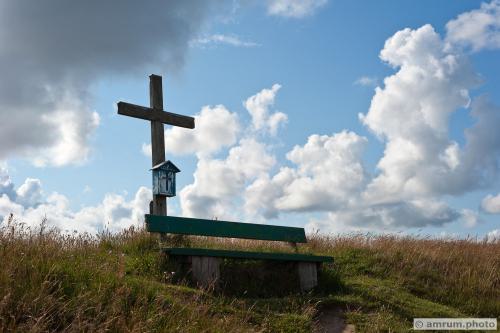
(470, 218)
(218, 183)
(221, 39)
(30, 193)
(216, 127)
(387, 217)
(411, 115)
(258, 106)
(114, 213)
(493, 235)
(491, 204)
(366, 81)
(328, 173)
(51, 55)
(294, 8)
(478, 29)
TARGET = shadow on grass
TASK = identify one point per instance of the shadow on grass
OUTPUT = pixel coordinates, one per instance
(256, 278)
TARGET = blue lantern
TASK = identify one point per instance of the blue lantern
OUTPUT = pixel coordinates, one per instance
(164, 179)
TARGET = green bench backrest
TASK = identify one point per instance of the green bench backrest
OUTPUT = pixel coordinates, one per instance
(214, 228)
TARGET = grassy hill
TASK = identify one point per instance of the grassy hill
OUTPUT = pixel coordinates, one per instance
(120, 283)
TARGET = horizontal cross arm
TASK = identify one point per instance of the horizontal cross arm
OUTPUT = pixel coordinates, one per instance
(142, 112)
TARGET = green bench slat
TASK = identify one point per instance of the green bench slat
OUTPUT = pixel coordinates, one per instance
(214, 228)
(246, 255)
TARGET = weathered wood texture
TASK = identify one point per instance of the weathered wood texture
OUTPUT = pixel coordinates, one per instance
(142, 112)
(157, 137)
(201, 227)
(308, 275)
(277, 256)
(157, 117)
(205, 271)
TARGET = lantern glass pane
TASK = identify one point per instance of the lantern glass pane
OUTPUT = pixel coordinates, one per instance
(170, 182)
(163, 182)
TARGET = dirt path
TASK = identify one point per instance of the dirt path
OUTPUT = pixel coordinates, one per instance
(331, 320)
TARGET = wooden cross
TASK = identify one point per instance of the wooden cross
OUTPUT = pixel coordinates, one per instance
(158, 117)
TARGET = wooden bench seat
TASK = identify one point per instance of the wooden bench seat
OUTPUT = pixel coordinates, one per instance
(278, 256)
(205, 262)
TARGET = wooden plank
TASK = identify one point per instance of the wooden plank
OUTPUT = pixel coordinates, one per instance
(308, 275)
(205, 270)
(155, 92)
(178, 251)
(157, 137)
(142, 112)
(201, 227)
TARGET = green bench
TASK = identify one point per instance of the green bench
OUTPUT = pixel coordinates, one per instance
(205, 262)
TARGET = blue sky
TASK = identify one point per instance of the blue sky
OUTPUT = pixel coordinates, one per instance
(339, 156)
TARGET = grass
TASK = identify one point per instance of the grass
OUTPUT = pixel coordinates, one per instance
(120, 283)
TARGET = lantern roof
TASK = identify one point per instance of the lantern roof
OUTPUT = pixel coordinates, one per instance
(167, 166)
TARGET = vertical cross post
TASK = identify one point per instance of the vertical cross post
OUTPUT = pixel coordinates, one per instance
(157, 116)
(157, 138)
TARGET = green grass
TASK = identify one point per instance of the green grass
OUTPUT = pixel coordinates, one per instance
(120, 283)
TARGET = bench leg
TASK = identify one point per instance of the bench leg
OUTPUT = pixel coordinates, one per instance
(205, 271)
(308, 275)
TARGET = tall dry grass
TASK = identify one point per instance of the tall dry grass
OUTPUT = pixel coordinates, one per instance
(116, 282)
(463, 273)
(54, 282)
